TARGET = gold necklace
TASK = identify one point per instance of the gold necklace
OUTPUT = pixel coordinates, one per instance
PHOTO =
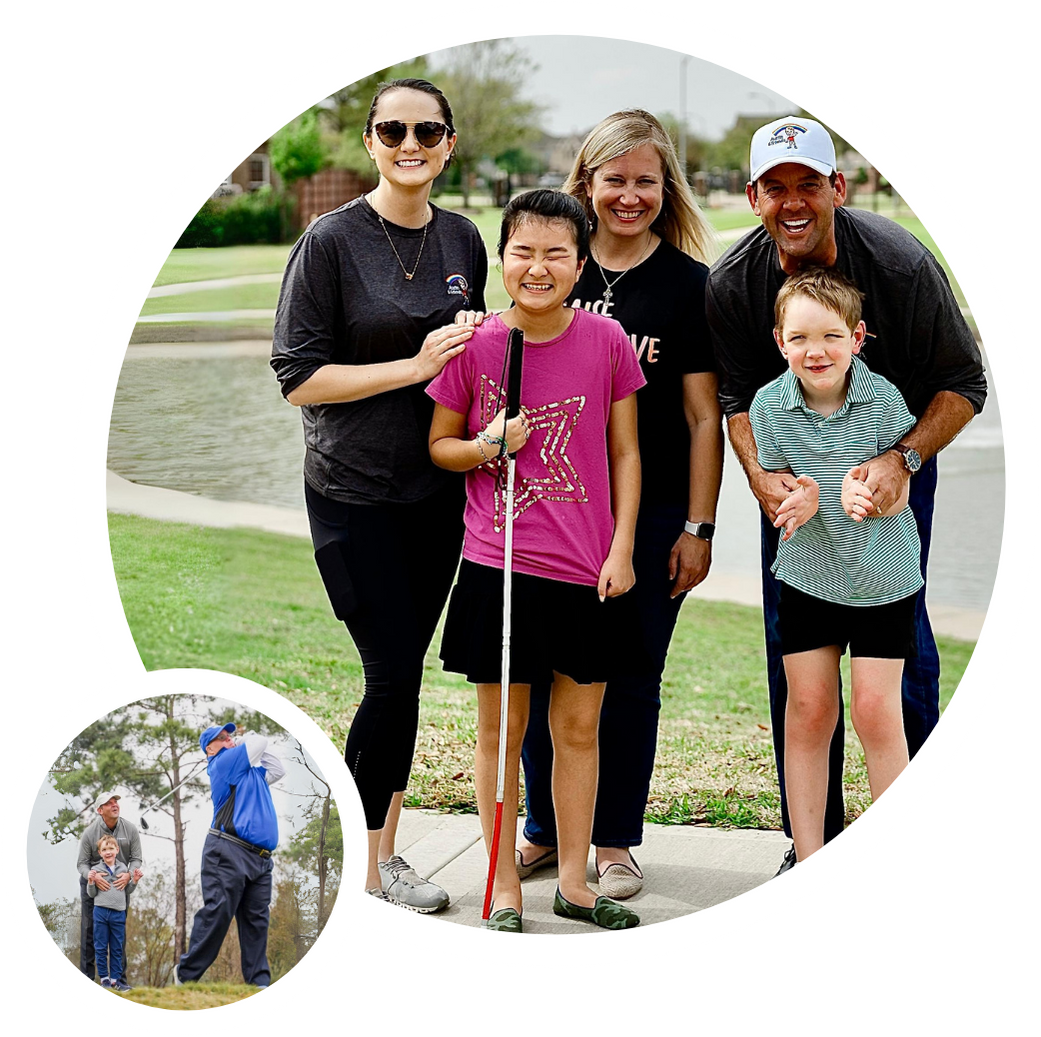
(408, 276)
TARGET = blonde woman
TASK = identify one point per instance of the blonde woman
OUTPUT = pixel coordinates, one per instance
(650, 246)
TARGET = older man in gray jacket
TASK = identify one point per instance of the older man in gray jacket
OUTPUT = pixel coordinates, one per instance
(108, 822)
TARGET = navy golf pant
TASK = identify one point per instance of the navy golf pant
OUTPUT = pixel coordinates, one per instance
(628, 735)
(236, 885)
(921, 681)
(388, 569)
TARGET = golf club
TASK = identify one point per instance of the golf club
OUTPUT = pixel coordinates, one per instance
(142, 822)
(515, 352)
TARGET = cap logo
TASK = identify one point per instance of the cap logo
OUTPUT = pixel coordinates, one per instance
(786, 135)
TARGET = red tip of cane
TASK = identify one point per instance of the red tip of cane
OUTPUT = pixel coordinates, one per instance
(493, 860)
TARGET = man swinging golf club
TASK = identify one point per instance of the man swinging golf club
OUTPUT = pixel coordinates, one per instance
(236, 859)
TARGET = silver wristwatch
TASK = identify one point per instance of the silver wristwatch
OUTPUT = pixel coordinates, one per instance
(701, 530)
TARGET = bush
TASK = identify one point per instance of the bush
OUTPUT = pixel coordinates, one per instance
(206, 228)
(251, 218)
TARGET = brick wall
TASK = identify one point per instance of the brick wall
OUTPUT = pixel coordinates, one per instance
(327, 190)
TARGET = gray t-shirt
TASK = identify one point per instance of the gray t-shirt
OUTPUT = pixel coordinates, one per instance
(345, 300)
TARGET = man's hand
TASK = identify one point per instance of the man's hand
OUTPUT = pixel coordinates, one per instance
(689, 563)
(121, 881)
(101, 883)
(887, 477)
(799, 506)
(771, 489)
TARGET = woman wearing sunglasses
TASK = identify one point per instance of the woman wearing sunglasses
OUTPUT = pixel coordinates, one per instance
(650, 244)
(364, 321)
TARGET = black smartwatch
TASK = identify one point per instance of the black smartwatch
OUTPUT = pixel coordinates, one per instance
(701, 530)
(912, 459)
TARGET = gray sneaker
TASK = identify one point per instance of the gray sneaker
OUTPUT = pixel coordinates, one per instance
(407, 889)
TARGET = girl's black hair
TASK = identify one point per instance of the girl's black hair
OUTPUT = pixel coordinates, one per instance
(545, 204)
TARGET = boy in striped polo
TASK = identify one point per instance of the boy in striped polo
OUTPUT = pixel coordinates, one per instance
(849, 572)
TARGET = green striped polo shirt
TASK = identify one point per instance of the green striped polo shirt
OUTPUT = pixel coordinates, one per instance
(832, 557)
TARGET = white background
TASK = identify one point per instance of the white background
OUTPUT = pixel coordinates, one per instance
(121, 117)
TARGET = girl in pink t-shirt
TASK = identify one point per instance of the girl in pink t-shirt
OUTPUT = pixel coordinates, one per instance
(575, 502)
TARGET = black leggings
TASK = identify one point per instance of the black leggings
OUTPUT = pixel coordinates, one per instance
(388, 569)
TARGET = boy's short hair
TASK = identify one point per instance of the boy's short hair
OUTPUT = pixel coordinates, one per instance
(831, 288)
(106, 839)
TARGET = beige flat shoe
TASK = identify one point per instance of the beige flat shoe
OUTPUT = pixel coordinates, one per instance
(524, 870)
(619, 881)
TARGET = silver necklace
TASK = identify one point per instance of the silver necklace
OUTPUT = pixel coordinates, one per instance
(408, 276)
(609, 285)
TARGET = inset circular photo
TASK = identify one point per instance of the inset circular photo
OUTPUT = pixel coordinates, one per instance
(184, 851)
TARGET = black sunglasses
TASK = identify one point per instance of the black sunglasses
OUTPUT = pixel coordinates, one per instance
(428, 134)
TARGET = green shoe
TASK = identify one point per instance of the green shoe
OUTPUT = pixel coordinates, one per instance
(507, 920)
(604, 913)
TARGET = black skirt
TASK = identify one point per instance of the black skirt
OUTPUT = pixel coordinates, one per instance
(556, 627)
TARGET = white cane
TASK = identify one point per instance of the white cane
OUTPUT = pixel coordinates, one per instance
(515, 350)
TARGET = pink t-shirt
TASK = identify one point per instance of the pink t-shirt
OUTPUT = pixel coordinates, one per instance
(562, 522)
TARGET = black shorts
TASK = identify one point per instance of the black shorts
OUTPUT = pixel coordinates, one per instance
(871, 631)
(556, 626)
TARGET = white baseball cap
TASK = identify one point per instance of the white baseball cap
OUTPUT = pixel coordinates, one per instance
(791, 139)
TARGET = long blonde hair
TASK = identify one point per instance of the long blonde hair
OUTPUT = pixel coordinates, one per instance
(680, 222)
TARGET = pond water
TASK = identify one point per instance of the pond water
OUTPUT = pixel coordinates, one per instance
(210, 420)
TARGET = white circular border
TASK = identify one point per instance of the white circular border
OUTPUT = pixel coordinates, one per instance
(126, 117)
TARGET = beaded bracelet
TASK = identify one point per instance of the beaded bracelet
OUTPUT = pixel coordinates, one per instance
(501, 443)
(487, 459)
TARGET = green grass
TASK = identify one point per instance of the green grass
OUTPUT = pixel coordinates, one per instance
(203, 264)
(251, 603)
(191, 996)
(237, 297)
(732, 219)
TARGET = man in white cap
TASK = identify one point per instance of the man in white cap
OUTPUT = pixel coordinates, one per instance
(916, 337)
(107, 822)
(236, 857)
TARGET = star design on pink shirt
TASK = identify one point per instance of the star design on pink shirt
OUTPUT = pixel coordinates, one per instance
(552, 425)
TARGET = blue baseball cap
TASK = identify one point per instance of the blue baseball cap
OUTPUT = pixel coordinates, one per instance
(211, 732)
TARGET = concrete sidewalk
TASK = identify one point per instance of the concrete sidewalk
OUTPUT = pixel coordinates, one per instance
(687, 869)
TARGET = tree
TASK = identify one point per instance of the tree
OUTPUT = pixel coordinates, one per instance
(482, 81)
(297, 150)
(319, 845)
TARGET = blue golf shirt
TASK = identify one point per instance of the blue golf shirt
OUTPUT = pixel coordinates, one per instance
(242, 804)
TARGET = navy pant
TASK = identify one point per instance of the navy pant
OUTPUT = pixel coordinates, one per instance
(921, 682)
(110, 932)
(236, 884)
(87, 935)
(388, 569)
(628, 734)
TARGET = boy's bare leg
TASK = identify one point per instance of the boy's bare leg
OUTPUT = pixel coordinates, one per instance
(506, 890)
(877, 714)
(574, 720)
(809, 722)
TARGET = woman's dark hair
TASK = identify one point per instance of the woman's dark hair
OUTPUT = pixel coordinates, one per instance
(423, 86)
(545, 205)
